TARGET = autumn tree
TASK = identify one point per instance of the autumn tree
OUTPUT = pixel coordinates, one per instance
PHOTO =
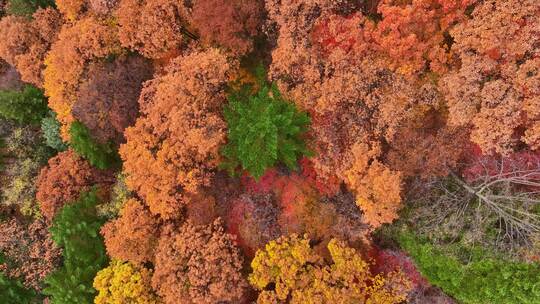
(412, 33)
(78, 44)
(495, 89)
(124, 283)
(134, 235)
(198, 264)
(65, 177)
(358, 104)
(231, 24)
(29, 252)
(173, 148)
(288, 270)
(25, 42)
(106, 100)
(151, 27)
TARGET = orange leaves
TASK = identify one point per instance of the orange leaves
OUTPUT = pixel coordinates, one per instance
(26, 42)
(151, 27)
(133, 236)
(173, 148)
(87, 39)
(490, 92)
(198, 264)
(62, 181)
(377, 188)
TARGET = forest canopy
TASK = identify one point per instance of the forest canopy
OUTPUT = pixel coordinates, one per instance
(269, 151)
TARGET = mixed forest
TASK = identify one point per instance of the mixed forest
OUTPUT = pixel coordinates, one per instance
(269, 151)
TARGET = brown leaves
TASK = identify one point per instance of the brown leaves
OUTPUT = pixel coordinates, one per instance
(229, 23)
(107, 97)
(78, 44)
(31, 252)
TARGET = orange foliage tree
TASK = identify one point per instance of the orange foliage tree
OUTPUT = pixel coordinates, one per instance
(151, 27)
(65, 177)
(495, 89)
(78, 44)
(25, 42)
(198, 264)
(133, 236)
(173, 148)
(359, 104)
(412, 33)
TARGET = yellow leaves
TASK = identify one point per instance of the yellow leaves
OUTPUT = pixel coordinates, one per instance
(124, 283)
(300, 275)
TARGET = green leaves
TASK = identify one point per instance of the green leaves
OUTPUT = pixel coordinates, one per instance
(76, 230)
(28, 106)
(482, 280)
(101, 156)
(51, 132)
(264, 129)
(27, 7)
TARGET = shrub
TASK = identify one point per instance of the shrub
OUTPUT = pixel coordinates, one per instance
(102, 156)
(482, 280)
(264, 128)
(27, 7)
(76, 230)
(26, 106)
(51, 132)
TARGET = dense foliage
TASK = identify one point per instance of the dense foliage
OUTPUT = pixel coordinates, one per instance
(27, 106)
(298, 273)
(269, 151)
(101, 156)
(76, 230)
(12, 291)
(26, 7)
(123, 282)
(51, 132)
(263, 129)
(481, 280)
